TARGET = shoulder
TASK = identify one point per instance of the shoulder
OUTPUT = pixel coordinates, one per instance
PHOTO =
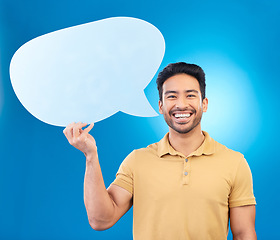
(139, 158)
(233, 161)
(222, 149)
(141, 153)
(228, 156)
(151, 149)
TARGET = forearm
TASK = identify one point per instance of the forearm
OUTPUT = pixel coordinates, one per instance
(99, 205)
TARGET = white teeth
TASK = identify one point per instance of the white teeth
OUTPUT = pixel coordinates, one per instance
(177, 115)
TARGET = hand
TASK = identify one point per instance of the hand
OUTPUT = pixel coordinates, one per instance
(80, 138)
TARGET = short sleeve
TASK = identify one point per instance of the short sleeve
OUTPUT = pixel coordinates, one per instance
(242, 188)
(124, 176)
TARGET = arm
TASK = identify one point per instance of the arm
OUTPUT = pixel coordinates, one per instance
(242, 222)
(104, 207)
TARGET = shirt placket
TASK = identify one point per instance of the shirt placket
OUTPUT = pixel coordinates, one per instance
(186, 171)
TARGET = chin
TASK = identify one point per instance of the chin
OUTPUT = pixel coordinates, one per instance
(183, 131)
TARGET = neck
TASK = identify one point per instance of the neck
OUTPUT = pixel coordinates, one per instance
(186, 143)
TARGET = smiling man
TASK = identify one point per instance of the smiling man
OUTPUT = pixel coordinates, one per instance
(187, 186)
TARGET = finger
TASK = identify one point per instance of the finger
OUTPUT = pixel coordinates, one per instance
(87, 130)
(68, 133)
(76, 129)
(68, 127)
(81, 127)
(68, 130)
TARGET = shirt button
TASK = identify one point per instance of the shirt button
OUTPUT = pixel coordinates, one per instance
(186, 160)
(186, 173)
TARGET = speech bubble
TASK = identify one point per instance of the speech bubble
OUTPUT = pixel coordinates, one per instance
(88, 72)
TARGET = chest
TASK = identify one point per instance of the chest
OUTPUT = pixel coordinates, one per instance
(193, 180)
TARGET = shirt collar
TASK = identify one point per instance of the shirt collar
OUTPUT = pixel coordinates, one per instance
(206, 148)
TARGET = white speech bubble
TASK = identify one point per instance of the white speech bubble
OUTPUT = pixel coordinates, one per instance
(88, 72)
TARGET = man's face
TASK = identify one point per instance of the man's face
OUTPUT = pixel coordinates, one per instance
(182, 105)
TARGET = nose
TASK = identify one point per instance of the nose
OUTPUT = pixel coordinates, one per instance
(182, 102)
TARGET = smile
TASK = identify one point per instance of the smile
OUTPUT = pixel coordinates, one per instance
(182, 115)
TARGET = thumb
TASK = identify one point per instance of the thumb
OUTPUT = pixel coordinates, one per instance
(86, 130)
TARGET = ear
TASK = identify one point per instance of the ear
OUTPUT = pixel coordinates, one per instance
(160, 107)
(205, 104)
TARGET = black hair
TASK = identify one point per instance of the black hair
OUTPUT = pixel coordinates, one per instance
(179, 68)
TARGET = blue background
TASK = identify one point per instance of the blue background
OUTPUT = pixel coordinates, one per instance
(237, 44)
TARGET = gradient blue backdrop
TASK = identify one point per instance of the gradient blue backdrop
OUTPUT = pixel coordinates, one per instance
(236, 42)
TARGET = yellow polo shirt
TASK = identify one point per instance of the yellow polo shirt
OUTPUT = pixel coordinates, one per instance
(185, 197)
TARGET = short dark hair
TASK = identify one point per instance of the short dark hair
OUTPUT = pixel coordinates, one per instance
(179, 68)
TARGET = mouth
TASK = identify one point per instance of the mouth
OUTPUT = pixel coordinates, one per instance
(181, 117)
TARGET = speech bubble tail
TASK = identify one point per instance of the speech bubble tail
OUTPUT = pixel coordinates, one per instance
(139, 106)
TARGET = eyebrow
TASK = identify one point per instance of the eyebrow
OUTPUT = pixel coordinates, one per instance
(187, 91)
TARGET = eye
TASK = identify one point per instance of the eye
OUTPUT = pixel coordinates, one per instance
(171, 96)
(191, 96)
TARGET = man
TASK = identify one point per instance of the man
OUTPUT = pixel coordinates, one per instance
(186, 186)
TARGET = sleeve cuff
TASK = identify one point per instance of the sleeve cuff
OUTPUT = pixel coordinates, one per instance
(242, 202)
(123, 184)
